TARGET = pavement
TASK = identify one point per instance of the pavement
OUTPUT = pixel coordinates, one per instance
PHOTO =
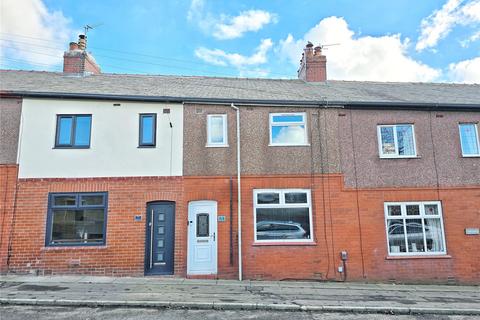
(287, 296)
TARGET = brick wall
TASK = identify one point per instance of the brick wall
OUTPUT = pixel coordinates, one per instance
(8, 180)
(124, 252)
(337, 223)
(343, 219)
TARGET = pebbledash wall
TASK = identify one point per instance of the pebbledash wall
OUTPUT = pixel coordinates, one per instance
(10, 113)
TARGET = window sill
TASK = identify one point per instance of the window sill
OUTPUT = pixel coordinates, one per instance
(269, 244)
(146, 147)
(75, 247)
(217, 146)
(436, 256)
(60, 147)
(396, 158)
(289, 145)
(471, 156)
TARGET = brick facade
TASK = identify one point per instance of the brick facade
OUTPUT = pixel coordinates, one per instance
(343, 219)
(124, 253)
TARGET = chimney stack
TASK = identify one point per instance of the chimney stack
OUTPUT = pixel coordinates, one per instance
(313, 65)
(77, 60)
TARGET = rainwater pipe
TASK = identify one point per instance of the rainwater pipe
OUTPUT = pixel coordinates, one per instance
(239, 193)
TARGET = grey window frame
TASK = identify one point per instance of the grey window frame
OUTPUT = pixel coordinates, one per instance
(72, 144)
(140, 130)
(77, 206)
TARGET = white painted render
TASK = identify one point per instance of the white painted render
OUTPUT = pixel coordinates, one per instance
(113, 151)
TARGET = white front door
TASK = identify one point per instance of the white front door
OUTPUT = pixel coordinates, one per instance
(202, 237)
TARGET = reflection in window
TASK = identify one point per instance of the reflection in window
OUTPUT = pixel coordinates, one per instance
(469, 139)
(396, 140)
(148, 130)
(71, 221)
(417, 229)
(268, 197)
(203, 225)
(217, 130)
(288, 129)
(283, 215)
(73, 131)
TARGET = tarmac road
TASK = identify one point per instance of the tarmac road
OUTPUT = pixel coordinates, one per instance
(68, 313)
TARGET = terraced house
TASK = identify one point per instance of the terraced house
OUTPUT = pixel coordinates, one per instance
(116, 174)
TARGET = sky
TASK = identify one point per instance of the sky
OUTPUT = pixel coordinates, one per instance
(375, 40)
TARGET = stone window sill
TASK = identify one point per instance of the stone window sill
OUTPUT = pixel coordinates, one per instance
(73, 248)
(418, 257)
(269, 244)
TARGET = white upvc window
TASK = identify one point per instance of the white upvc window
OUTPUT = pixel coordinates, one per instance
(414, 228)
(288, 129)
(396, 141)
(469, 139)
(282, 215)
(217, 130)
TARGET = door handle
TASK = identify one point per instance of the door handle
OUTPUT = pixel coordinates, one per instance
(214, 236)
(151, 240)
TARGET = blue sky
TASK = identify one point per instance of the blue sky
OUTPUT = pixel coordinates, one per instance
(408, 40)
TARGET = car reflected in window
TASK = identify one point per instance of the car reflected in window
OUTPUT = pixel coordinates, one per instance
(273, 230)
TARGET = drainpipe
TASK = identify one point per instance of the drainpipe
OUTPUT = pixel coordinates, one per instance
(239, 192)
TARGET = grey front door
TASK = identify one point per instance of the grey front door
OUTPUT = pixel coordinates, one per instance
(160, 238)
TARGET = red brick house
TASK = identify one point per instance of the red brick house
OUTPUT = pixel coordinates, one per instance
(309, 178)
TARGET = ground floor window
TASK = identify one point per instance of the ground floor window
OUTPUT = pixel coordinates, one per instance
(414, 228)
(282, 215)
(76, 219)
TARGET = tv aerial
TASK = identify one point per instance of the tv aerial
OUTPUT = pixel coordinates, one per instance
(90, 27)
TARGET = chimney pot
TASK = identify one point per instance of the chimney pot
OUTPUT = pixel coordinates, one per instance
(82, 42)
(73, 46)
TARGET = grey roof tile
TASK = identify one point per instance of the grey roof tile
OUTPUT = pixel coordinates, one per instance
(192, 87)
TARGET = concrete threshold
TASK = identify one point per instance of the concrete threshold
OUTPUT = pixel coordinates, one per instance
(235, 306)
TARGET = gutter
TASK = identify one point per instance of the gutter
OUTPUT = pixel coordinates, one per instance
(266, 102)
(239, 194)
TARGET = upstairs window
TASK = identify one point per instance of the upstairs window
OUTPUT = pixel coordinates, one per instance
(73, 131)
(396, 141)
(288, 129)
(414, 228)
(217, 130)
(469, 140)
(148, 130)
(283, 215)
(76, 219)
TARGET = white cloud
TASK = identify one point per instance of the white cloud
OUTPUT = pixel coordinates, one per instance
(370, 58)
(228, 27)
(32, 19)
(290, 134)
(466, 71)
(221, 58)
(439, 24)
(235, 27)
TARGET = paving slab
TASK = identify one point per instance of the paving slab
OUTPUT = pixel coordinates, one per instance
(292, 296)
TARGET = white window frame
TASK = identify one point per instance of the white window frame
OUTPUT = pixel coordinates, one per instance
(224, 143)
(282, 204)
(461, 141)
(395, 141)
(282, 124)
(422, 216)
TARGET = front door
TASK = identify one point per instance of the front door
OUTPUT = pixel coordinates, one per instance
(160, 238)
(202, 237)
